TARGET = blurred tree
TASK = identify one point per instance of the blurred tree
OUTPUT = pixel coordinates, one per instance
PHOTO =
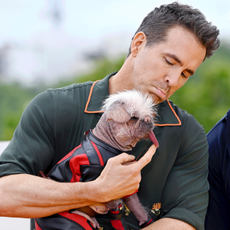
(206, 95)
(102, 67)
(13, 100)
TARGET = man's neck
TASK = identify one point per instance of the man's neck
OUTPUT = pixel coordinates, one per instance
(122, 80)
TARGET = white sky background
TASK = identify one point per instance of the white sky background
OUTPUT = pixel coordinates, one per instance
(22, 19)
(41, 51)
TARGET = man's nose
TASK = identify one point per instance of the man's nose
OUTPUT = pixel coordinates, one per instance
(172, 79)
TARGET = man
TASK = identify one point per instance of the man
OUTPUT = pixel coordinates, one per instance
(218, 213)
(171, 43)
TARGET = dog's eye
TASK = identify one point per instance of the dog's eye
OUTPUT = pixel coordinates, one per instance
(134, 118)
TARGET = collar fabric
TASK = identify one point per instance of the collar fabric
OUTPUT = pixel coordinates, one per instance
(100, 91)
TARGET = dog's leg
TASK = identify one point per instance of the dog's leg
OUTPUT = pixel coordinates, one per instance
(117, 216)
(134, 205)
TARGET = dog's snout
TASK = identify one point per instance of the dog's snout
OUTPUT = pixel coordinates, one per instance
(147, 121)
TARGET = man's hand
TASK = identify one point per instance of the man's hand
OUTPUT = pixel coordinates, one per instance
(121, 176)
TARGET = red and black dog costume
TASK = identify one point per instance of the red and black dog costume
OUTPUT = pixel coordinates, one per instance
(83, 163)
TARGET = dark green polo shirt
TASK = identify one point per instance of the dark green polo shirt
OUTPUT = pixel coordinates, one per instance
(174, 184)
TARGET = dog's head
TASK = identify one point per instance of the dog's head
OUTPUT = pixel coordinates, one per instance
(130, 117)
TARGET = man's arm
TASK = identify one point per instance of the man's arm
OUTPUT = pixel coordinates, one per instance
(28, 196)
(169, 224)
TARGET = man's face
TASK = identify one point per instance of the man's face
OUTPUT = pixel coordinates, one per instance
(163, 68)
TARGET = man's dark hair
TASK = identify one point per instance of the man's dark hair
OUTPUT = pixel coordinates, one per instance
(157, 23)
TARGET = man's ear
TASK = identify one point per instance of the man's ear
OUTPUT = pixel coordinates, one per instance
(118, 113)
(138, 42)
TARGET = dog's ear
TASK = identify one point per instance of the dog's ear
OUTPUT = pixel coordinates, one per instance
(118, 113)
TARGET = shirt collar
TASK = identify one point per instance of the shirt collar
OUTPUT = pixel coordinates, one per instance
(100, 91)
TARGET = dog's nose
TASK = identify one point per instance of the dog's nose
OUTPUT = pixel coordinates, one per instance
(148, 122)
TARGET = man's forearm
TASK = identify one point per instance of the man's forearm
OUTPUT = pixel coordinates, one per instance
(169, 224)
(29, 196)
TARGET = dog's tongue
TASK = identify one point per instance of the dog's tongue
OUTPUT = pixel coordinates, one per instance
(153, 138)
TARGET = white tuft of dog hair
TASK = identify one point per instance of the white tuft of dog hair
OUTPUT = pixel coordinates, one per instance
(134, 101)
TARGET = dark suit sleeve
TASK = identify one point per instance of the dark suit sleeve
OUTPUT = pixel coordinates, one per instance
(218, 213)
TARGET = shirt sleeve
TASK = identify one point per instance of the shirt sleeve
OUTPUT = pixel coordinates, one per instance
(32, 147)
(185, 195)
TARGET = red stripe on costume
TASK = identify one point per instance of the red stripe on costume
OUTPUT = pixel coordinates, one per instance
(130, 194)
(117, 224)
(75, 164)
(78, 219)
(150, 221)
(69, 154)
(37, 227)
(98, 153)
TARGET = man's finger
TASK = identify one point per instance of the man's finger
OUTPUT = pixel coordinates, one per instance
(147, 157)
(124, 158)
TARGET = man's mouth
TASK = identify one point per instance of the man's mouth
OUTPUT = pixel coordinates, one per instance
(161, 94)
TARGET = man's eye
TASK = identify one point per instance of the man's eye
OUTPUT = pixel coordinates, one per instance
(168, 62)
(183, 75)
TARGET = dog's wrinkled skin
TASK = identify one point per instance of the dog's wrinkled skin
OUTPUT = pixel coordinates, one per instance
(128, 118)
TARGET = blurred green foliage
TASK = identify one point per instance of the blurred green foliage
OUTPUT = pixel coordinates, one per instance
(13, 100)
(102, 67)
(206, 95)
